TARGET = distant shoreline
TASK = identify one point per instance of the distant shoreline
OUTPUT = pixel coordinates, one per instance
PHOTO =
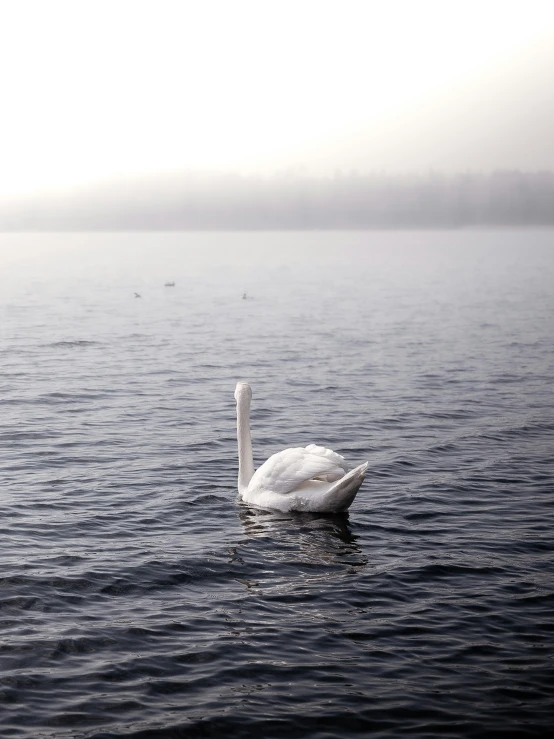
(352, 202)
(476, 228)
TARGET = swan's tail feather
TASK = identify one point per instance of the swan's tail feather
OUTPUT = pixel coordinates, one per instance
(340, 496)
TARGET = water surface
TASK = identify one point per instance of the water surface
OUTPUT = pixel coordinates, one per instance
(139, 599)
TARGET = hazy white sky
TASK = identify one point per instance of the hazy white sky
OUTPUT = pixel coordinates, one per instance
(92, 89)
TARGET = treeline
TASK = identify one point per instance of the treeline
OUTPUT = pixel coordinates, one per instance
(293, 201)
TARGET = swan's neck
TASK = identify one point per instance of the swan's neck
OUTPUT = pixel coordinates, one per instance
(246, 461)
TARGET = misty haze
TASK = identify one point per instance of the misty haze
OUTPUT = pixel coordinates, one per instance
(292, 201)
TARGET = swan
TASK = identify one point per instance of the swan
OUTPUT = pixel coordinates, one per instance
(310, 478)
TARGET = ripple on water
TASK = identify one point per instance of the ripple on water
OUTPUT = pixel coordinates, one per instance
(139, 599)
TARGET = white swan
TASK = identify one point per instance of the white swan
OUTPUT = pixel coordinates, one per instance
(308, 478)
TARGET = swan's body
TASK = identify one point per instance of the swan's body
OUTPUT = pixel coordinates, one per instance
(310, 478)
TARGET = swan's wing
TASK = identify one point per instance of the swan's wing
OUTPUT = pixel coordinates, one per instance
(338, 463)
(285, 471)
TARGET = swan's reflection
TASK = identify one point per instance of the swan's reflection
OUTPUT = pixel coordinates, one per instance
(261, 522)
(294, 568)
(310, 538)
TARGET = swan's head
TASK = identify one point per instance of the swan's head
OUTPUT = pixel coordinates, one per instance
(243, 392)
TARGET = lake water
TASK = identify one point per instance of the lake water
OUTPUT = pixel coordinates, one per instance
(139, 599)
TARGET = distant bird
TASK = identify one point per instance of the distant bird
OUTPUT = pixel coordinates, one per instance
(244, 296)
(169, 284)
(138, 295)
(310, 478)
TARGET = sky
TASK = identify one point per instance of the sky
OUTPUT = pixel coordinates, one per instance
(94, 90)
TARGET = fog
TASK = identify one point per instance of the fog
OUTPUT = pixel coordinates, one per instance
(292, 201)
(105, 102)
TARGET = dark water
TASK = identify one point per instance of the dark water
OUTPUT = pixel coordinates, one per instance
(138, 599)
